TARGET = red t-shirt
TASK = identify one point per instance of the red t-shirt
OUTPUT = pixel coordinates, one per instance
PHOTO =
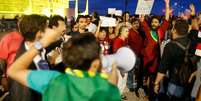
(118, 43)
(135, 41)
(9, 45)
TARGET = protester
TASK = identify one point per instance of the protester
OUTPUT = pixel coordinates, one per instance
(121, 40)
(172, 60)
(158, 41)
(81, 57)
(90, 26)
(31, 28)
(82, 24)
(151, 53)
(135, 42)
(9, 45)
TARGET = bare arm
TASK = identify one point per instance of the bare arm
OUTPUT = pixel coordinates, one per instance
(145, 26)
(113, 77)
(19, 69)
(194, 24)
(167, 9)
(117, 28)
(98, 29)
(192, 8)
(159, 77)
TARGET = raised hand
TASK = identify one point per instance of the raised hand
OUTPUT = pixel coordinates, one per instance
(192, 8)
(167, 1)
(167, 9)
(141, 18)
(100, 22)
(113, 76)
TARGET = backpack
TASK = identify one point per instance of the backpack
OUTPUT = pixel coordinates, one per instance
(184, 72)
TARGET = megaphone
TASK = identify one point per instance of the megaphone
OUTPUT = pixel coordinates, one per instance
(124, 57)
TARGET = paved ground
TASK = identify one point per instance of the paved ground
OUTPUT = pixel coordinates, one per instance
(132, 97)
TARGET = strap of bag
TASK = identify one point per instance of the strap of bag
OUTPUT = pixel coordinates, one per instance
(182, 46)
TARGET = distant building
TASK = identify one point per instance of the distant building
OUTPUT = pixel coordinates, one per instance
(11, 8)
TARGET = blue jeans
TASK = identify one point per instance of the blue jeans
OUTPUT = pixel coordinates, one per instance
(131, 80)
(175, 90)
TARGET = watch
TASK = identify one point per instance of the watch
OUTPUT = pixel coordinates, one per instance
(38, 45)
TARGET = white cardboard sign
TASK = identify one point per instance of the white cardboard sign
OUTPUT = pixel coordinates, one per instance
(107, 21)
(144, 7)
(118, 13)
(111, 10)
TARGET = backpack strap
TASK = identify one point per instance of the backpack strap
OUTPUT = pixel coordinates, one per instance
(183, 72)
(182, 46)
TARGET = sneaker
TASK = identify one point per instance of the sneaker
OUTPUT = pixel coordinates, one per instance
(131, 89)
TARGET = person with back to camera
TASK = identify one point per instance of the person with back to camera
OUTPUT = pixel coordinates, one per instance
(81, 80)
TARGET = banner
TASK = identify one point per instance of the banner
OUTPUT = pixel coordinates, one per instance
(118, 12)
(107, 21)
(111, 10)
(144, 6)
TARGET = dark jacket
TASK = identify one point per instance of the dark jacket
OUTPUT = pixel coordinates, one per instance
(19, 92)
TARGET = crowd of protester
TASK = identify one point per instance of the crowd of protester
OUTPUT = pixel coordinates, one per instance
(44, 59)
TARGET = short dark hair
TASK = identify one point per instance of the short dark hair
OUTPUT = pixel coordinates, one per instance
(95, 15)
(134, 20)
(127, 12)
(181, 26)
(87, 16)
(80, 51)
(29, 25)
(79, 17)
(156, 17)
(53, 21)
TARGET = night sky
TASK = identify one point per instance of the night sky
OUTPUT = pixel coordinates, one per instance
(159, 5)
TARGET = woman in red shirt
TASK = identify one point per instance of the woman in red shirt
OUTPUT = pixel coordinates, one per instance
(121, 40)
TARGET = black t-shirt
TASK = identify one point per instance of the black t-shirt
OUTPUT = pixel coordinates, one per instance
(173, 57)
(74, 33)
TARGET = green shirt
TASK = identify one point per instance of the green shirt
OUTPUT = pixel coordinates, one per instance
(56, 86)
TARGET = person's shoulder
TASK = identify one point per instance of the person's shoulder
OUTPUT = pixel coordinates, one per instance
(48, 73)
(61, 78)
(93, 25)
(101, 77)
(176, 45)
(11, 35)
(74, 33)
(131, 30)
(118, 39)
(171, 45)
